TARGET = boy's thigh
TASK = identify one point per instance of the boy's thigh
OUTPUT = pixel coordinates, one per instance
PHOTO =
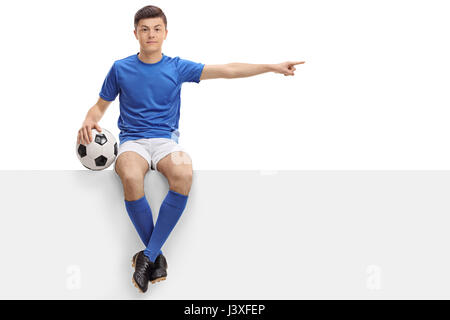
(176, 164)
(168, 156)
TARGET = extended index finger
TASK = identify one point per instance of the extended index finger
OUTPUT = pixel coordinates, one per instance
(298, 62)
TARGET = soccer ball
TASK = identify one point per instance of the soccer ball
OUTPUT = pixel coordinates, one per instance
(100, 153)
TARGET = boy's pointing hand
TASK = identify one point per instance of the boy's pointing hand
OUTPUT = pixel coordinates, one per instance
(286, 68)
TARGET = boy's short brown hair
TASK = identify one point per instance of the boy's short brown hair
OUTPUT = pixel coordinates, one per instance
(149, 12)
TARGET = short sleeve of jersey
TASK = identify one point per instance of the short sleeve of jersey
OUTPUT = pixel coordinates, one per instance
(110, 88)
(189, 71)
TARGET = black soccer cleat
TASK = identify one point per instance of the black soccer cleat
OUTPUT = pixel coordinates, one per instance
(141, 275)
(159, 272)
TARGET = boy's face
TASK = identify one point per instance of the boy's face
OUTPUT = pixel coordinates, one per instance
(151, 34)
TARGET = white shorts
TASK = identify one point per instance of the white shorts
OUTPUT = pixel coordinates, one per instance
(151, 149)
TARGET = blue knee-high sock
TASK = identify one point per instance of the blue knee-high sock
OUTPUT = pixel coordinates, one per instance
(169, 214)
(141, 215)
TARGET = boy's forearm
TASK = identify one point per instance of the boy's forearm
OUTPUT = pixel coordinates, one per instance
(242, 70)
(94, 114)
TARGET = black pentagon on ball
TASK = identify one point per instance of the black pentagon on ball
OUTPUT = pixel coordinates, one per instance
(100, 161)
(115, 149)
(100, 139)
(82, 150)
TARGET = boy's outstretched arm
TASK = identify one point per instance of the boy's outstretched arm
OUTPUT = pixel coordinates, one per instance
(242, 70)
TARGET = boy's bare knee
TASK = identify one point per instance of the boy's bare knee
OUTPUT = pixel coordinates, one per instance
(130, 163)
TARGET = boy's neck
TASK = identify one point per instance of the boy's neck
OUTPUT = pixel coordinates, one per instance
(152, 57)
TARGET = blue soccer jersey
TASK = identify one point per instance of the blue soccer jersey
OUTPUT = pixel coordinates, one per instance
(149, 95)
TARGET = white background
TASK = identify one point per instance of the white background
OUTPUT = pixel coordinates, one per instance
(373, 93)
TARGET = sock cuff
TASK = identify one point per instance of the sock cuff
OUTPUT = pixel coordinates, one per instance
(136, 203)
(176, 199)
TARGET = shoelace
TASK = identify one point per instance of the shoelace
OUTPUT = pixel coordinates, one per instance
(142, 263)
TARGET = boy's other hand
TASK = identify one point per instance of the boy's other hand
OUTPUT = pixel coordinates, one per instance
(286, 68)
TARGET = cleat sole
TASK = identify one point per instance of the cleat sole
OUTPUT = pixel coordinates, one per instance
(158, 280)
